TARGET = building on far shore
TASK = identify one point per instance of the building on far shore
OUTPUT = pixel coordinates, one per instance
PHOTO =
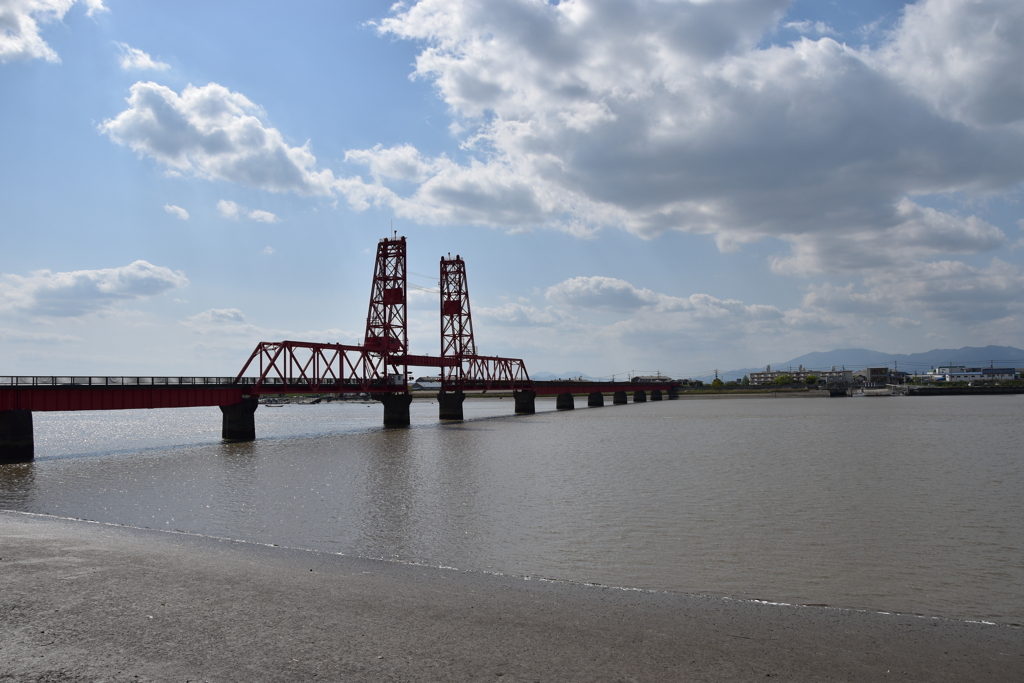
(877, 377)
(960, 373)
(800, 375)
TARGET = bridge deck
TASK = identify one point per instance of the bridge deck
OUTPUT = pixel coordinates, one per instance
(54, 393)
(43, 394)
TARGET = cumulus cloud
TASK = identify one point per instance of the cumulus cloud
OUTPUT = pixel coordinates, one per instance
(659, 116)
(176, 211)
(134, 59)
(211, 132)
(263, 216)
(518, 314)
(228, 209)
(215, 316)
(602, 293)
(963, 57)
(76, 293)
(615, 295)
(813, 27)
(656, 116)
(919, 233)
(229, 324)
(946, 290)
(233, 211)
(20, 26)
(610, 317)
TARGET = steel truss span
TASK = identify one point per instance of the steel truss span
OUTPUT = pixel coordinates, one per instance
(381, 364)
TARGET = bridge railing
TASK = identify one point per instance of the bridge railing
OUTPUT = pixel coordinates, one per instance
(91, 381)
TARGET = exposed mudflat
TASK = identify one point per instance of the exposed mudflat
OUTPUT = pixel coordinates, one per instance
(88, 602)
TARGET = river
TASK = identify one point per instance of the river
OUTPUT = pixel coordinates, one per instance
(908, 505)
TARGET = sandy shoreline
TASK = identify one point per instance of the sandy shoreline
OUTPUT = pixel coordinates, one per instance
(90, 602)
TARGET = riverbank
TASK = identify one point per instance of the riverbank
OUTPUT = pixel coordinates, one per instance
(83, 601)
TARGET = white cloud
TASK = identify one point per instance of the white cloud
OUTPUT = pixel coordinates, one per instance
(134, 59)
(228, 324)
(658, 116)
(233, 211)
(816, 27)
(946, 290)
(963, 57)
(213, 133)
(518, 314)
(610, 319)
(218, 316)
(602, 293)
(919, 233)
(176, 211)
(664, 116)
(76, 293)
(19, 26)
(228, 209)
(268, 250)
(263, 216)
(615, 295)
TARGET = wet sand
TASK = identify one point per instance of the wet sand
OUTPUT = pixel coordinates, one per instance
(88, 602)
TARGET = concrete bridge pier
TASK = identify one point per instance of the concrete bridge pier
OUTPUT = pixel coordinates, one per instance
(16, 441)
(619, 398)
(656, 395)
(450, 404)
(595, 400)
(640, 396)
(396, 408)
(525, 402)
(238, 422)
(564, 402)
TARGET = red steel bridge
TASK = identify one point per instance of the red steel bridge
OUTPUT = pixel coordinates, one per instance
(378, 367)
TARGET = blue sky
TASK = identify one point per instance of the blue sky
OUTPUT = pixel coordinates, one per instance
(635, 185)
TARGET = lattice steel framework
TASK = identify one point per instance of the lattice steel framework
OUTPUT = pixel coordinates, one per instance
(492, 373)
(303, 367)
(471, 371)
(456, 317)
(386, 332)
(380, 364)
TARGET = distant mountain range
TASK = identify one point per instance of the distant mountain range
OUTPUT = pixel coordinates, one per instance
(858, 359)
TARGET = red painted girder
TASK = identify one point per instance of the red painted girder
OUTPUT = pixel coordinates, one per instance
(426, 361)
(67, 398)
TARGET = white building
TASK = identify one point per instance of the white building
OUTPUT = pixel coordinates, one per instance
(960, 373)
